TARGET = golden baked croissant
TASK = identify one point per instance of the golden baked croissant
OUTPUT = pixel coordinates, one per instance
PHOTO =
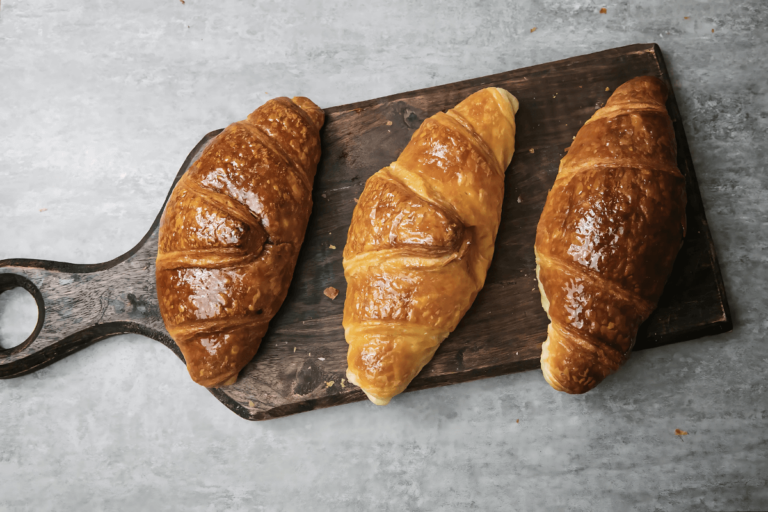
(608, 236)
(421, 241)
(231, 233)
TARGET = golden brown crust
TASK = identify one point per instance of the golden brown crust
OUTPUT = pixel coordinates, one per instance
(421, 240)
(609, 234)
(230, 235)
(390, 216)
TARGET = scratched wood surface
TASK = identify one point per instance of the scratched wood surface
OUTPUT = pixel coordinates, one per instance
(302, 360)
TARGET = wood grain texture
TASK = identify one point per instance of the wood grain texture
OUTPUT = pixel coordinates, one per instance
(302, 360)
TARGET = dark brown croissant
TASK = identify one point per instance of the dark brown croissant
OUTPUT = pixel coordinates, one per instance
(231, 233)
(608, 236)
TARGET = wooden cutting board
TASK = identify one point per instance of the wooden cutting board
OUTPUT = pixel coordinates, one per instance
(302, 361)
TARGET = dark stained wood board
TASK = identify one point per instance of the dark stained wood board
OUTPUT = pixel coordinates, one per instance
(302, 360)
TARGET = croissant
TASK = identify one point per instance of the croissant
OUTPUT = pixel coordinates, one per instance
(230, 235)
(608, 236)
(421, 240)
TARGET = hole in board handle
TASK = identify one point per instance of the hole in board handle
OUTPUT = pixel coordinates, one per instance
(21, 311)
(18, 317)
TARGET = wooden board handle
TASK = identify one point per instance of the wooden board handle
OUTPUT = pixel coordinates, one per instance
(79, 305)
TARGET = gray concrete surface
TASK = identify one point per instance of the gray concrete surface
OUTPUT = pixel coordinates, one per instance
(100, 102)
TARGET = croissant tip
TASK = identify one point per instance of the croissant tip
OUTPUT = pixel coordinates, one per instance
(314, 112)
(352, 378)
(376, 400)
(231, 380)
(514, 103)
(546, 370)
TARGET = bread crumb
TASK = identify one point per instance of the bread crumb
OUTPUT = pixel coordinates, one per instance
(294, 349)
(389, 123)
(607, 89)
(518, 421)
(574, 137)
(603, 11)
(342, 383)
(519, 200)
(321, 359)
(531, 150)
(43, 209)
(329, 383)
(566, 149)
(355, 199)
(331, 292)
(679, 432)
(322, 195)
(332, 246)
(250, 402)
(713, 31)
(183, 2)
(533, 29)
(686, 17)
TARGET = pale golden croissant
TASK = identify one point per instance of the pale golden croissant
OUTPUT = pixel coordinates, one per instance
(231, 233)
(608, 236)
(421, 241)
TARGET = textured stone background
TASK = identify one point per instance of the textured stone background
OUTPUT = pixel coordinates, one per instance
(101, 101)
